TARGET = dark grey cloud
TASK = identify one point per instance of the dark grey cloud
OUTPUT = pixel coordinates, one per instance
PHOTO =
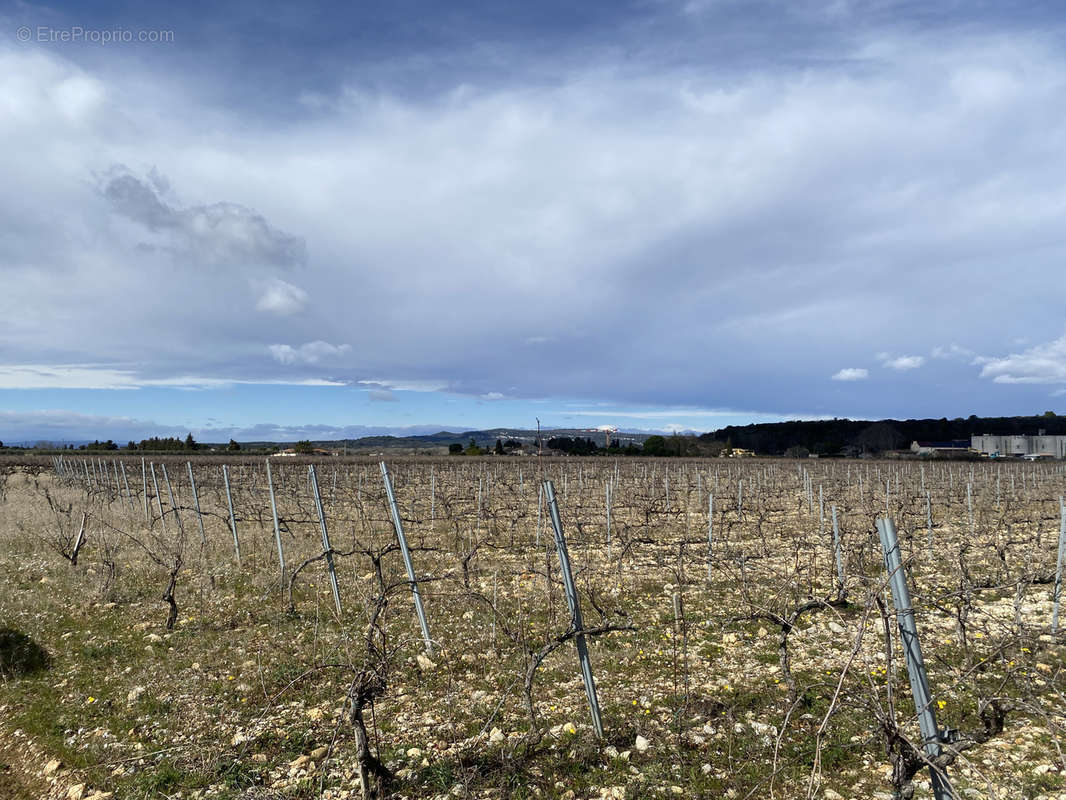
(216, 233)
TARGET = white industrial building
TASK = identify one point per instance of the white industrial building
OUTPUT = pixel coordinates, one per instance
(1012, 446)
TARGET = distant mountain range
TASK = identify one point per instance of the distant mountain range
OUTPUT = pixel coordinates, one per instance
(419, 442)
(482, 438)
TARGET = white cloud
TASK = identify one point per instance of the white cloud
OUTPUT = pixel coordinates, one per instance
(903, 362)
(63, 376)
(91, 376)
(407, 385)
(1044, 363)
(851, 374)
(952, 351)
(308, 353)
(279, 297)
(493, 396)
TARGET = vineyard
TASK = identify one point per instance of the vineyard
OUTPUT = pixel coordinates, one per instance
(519, 628)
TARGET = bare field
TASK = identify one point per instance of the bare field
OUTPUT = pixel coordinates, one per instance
(753, 673)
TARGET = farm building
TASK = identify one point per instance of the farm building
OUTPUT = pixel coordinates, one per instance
(1013, 446)
(291, 452)
(952, 448)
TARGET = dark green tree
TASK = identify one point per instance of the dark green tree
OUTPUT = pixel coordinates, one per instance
(878, 437)
(155, 444)
(655, 446)
(233, 446)
(98, 445)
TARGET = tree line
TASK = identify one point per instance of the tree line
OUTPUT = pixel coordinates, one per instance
(846, 437)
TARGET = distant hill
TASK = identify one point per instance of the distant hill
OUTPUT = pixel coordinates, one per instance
(850, 437)
(482, 438)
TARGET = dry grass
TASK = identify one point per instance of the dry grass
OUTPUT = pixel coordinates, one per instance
(241, 697)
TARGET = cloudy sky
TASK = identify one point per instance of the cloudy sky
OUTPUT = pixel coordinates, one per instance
(276, 220)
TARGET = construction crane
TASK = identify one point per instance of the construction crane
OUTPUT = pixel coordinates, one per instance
(606, 430)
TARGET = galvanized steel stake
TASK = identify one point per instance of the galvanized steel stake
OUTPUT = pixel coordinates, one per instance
(408, 564)
(540, 511)
(836, 548)
(929, 523)
(144, 483)
(277, 529)
(173, 505)
(1058, 565)
(327, 549)
(158, 499)
(969, 505)
(710, 532)
(575, 610)
(126, 483)
(232, 516)
(912, 651)
(607, 498)
(196, 503)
